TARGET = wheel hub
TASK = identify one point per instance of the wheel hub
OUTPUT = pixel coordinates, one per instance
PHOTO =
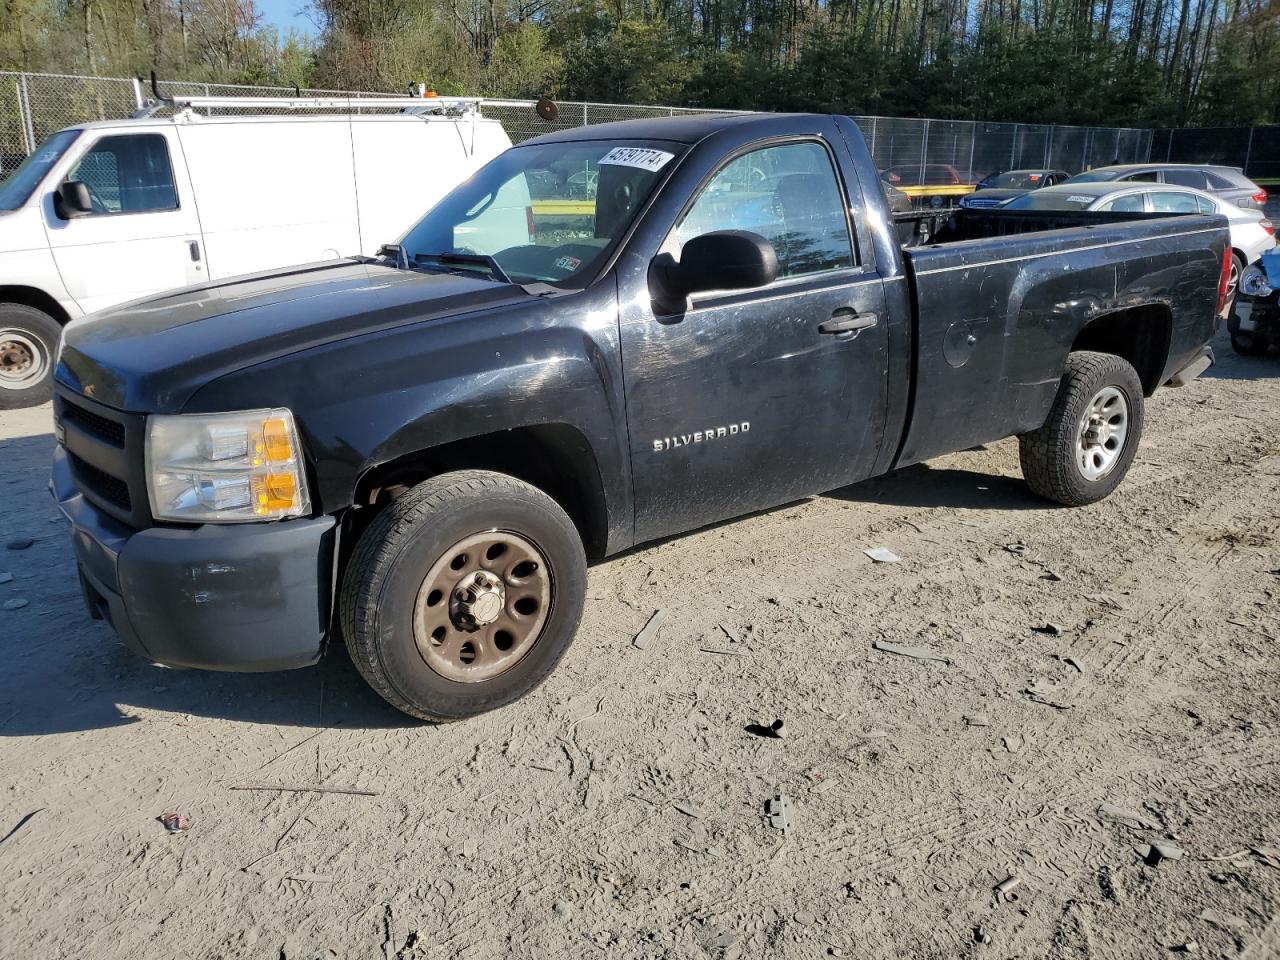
(478, 600)
(22, 362)
(482, 606)
(1103, 430)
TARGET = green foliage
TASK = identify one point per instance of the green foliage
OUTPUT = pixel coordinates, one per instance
(1105, 62)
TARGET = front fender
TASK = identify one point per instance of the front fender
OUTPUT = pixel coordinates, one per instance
(375, 398)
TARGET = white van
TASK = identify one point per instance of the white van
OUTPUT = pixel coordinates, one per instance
(112, 211)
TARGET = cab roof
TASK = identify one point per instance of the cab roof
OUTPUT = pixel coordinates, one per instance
(685, 129)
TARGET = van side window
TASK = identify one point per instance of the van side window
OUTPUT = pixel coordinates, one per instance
(128, 174)
(789, 195)
(1147, 176)
(1185, 178)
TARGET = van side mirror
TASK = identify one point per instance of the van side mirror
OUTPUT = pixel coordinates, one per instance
(72, 200)
(721, 260)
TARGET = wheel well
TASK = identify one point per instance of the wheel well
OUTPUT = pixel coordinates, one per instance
(553, 457)
(33, 297)
(1139, 335)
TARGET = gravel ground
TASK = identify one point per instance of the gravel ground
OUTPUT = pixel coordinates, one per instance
(620, 811)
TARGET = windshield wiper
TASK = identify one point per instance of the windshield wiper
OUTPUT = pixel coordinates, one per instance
(482, 259)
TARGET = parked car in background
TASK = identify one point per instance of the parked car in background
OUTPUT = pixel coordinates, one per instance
(924, 175)
(1254, 323)
(1252, 234)
(112, 211)
(1000, 188)
(1226, 183)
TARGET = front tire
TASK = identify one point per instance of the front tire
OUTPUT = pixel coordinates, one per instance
(463, 595)
(1088, 443)
(28, 343)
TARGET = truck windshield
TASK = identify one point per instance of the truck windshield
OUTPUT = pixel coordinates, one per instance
(18, 187)
(546, 212)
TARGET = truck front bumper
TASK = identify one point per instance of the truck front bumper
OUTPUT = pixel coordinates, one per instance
(213, 597)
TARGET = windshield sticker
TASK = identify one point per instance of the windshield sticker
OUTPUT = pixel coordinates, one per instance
(568, 263)
(641, 157)
(1076, 198)
(1034, 177)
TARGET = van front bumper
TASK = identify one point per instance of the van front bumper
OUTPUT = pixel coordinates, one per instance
(213, 597)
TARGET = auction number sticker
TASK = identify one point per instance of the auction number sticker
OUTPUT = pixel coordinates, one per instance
(642, 157)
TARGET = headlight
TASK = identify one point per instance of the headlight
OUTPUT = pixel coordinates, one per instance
(1253, 282)
(225, 467)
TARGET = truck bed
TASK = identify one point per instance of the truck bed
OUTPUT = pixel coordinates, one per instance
(1001, 297)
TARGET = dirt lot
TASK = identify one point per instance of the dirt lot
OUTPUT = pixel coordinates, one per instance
(619, 812)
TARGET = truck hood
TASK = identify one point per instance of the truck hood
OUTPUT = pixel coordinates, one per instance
(150, 356)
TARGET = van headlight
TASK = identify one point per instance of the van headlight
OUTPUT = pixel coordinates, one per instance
(225, 467)
(1253, 282)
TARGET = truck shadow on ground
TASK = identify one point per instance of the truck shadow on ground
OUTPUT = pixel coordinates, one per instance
(922, 485)
(65, 672)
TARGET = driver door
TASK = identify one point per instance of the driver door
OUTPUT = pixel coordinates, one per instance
(752, 398)
(143, 235)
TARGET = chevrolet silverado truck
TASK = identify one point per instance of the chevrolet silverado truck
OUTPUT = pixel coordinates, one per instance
(419, 452)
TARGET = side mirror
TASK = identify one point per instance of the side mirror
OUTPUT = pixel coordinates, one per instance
(721, 260)
(72, 200)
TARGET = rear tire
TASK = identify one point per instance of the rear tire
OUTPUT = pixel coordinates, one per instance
(1088, 443)
(28, 343)
(463, 595)
(1249, 344)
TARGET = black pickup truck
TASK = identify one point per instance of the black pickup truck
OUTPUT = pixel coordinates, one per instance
(687, 320)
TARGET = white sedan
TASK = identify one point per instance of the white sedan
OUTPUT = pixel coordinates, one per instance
(1252, 234)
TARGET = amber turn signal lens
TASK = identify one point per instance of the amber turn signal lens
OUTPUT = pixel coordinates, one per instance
(275, 491)
(275, 436)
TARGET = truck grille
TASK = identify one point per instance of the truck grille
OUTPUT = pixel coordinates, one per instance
(101, 484)
(105, 450)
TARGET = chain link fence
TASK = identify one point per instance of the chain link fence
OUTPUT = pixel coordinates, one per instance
(1255, 150)
(920, 154)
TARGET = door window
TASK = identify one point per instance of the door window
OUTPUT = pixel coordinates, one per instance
(1185, 178)
(1173, 202)
(128, 174)
(1132, 203)
(1205, 205)
(789, 195)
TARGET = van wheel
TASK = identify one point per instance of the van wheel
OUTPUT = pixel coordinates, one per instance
(28, 342)
(463, 594)
(1086, 446)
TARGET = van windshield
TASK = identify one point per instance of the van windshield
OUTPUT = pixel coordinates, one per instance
(18, 187)
(546, 212)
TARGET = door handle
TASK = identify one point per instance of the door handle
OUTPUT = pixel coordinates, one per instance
(846, 321)
(194, 247)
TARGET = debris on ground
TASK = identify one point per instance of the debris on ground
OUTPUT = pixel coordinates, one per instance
(1125, 816)
(881, 555)
(1104, 600)
(21, 543)
(1191, 946)
(1152, 854)
(1012, 742)
(980, 935)
(1050, 628)
(1005, 889)
(1018, 549)
(650, 631)
(175, 822)
(778, 728)
(978, 720)
(1222, 921)
(17, 603)
(778, 810)
(1268, 855)
(1073, 662)
(1038, 692)
(915, 653)
(688, 809)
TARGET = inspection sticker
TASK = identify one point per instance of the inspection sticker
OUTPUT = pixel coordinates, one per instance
(641, 157)
(1076, 198)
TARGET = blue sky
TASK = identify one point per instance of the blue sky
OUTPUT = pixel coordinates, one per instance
(286, 14)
